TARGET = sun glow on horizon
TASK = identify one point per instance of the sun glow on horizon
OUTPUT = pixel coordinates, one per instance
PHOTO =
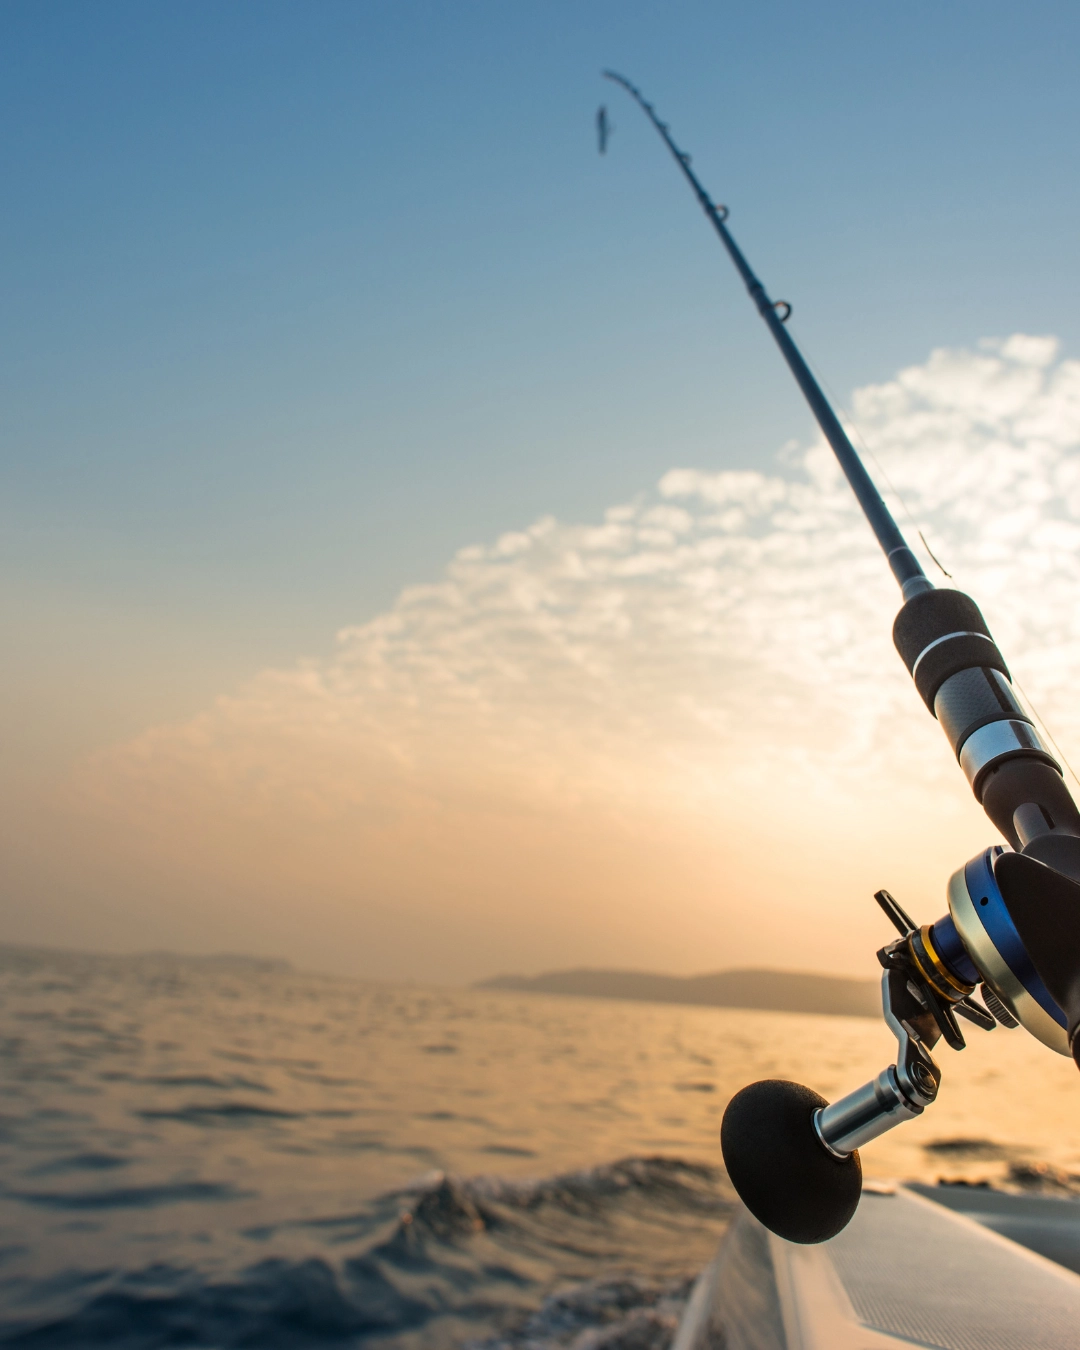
(675, 737)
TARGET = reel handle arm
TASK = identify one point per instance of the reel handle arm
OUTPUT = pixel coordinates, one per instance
(902, 1091)
(794, 1158)
(846, 1125)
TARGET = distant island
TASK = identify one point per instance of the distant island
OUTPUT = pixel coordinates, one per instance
(765, 990)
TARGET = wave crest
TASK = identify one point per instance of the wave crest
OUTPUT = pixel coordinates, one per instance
(600, 1258)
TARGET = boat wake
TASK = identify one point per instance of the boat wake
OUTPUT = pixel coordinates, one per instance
(602, 1257)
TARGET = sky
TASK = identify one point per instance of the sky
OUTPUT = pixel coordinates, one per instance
(415, 559)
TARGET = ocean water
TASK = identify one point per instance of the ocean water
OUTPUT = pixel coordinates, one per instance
(227, 1154)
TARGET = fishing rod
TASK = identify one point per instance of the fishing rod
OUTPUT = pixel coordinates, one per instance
(1012, 928)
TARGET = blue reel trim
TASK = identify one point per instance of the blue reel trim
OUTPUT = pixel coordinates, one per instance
(989, 905)
(951, 949)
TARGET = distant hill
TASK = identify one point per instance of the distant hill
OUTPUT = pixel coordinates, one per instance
(767, 990)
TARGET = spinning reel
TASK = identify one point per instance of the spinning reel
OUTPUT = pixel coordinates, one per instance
(1012, 929)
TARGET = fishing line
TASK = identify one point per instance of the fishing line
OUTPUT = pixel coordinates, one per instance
(1045, 726)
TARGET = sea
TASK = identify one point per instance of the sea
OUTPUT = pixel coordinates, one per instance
(228, 1153)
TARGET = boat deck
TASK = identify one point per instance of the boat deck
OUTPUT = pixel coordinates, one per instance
(952, 1268)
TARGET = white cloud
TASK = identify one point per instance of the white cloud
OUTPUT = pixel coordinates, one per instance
(717, 650)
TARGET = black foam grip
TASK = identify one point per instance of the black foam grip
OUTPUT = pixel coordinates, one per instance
(783, 1173)
(1045, 907)
(933, 615)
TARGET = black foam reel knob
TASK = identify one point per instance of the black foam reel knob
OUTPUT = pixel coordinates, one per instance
(783, 1173)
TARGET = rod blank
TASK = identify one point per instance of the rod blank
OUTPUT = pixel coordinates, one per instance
(905, 566)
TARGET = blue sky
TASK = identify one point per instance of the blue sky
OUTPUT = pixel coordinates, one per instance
(302, 298)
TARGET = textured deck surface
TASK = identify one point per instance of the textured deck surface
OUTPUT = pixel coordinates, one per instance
(920, 1272)
(906, 1271)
